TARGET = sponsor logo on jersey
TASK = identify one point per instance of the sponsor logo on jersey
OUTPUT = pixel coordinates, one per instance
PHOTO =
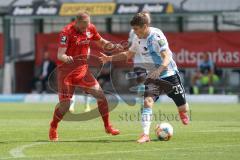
(81, 41)
(145, 53)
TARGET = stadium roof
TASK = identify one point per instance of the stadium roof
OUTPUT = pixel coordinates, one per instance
(187, 5)
(150, 1)
(23, 3)
(195, 5)
(86, 0)
(211, 5)
(6, 3)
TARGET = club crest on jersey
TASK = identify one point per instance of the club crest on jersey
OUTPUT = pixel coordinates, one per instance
(63, 39)
(88, 34)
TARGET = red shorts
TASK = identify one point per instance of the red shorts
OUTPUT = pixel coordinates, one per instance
(68, 81)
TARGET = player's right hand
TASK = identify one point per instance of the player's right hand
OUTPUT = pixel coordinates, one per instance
(68, 59)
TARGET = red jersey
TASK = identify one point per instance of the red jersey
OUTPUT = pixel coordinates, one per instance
(77, 43)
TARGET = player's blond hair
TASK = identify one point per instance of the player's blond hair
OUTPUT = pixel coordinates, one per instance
(82, 15)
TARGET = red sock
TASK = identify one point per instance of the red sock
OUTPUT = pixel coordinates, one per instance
(57, 117)
(103, 109)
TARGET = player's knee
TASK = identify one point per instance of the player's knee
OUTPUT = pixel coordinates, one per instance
(148, 102)
(96, 87)
(97, 92)
(65, 103)
(100, 95)
(102, 102)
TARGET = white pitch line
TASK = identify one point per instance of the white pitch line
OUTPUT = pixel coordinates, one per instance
(125, 151)
(157, 149)
(208, 131)
(18, 151)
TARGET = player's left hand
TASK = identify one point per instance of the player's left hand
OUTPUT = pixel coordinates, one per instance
(119, 48)
(104, 58)
(154, 74)
(113, 48)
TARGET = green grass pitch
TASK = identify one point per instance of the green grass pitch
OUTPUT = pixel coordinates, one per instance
(214, 133)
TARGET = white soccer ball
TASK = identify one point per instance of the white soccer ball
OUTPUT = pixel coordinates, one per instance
(164, 131)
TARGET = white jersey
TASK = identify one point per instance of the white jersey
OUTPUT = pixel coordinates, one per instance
(149, 50)
(137, 59)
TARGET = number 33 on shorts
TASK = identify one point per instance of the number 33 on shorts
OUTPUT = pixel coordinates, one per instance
(178, 89)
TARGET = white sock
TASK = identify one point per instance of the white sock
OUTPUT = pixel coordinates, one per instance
(146, 120)
(73, 100)
(87, 101)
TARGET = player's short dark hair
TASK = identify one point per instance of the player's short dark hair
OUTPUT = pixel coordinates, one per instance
(140, 19)
(82, 15)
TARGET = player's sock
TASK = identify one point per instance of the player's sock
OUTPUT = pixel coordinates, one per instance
(146, 120)
(87, 101)
(103, 109)
(87, 104)
(72, 104)
(57, 117)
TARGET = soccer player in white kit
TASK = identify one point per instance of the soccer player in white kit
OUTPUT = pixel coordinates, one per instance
(152, 46)
(139, 72)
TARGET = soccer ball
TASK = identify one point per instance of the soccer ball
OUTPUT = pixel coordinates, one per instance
(164, 131)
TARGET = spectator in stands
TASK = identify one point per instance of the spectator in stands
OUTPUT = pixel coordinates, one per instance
(205, 75)
(46, 69)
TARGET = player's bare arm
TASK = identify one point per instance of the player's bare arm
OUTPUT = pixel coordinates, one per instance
(118, 57)
(62, 55)
(166, 60)
(107, 45)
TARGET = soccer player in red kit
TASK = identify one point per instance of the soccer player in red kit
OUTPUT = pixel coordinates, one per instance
(73, 70)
